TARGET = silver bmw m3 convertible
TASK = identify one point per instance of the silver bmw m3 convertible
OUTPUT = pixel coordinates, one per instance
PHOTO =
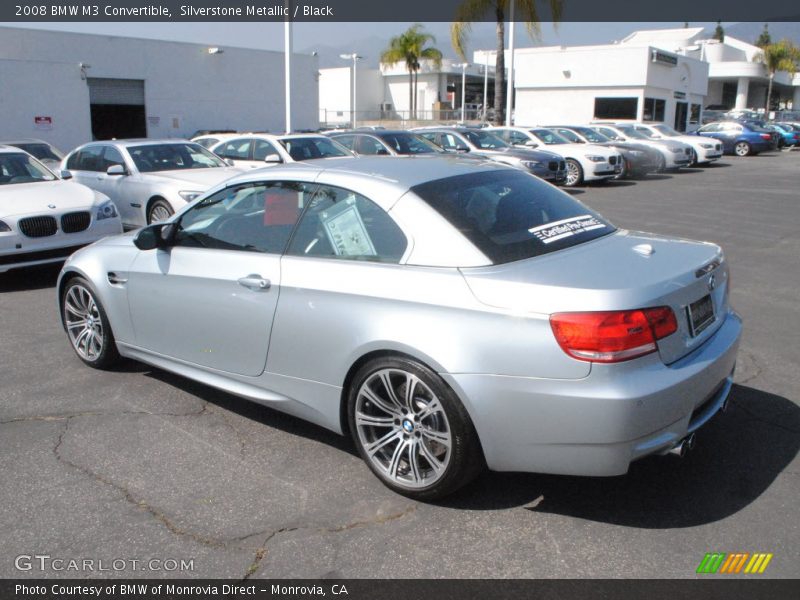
(447, 315)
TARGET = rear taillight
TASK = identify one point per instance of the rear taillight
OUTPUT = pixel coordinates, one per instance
(766, 136)
(612, 336)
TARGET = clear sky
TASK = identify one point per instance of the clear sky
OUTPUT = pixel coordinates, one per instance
(309, 36)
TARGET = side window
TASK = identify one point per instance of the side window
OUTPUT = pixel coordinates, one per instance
(346, 140)
(342, 224)
(432, 137)
(257, 217)
(73, 161)
(515, 137)
(111, 157)
(369, 145)
(91, 159)
(235, 149)
(262, 149)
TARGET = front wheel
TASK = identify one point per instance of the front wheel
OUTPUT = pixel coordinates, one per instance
(693, 162)
(742, 149)
(87, 325)
(159, 210)
(574, 173)
(411, 429)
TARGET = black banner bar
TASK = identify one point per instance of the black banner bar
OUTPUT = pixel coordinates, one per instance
(731, 588)
(383, 10)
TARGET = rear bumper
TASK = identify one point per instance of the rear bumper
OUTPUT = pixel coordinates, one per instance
(599, 424)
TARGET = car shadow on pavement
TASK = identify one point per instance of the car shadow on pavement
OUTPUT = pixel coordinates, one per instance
(31, 278)
(657, 177)
(716, 165)
(737, 456)
(250, 409)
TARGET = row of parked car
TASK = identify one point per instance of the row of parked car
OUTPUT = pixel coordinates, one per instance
(53, 204)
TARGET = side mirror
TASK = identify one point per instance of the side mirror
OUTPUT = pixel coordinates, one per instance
(64, 174)
(272, 158)
(159, 235)
(462, 149)
(530, 144)
(228, 162)
(116, 170)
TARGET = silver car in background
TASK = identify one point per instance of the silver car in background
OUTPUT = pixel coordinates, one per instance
(448, 316)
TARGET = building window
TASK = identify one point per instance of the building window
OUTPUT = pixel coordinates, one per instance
(615, 108)
(728, 94)
(654, 109)
(694, 114)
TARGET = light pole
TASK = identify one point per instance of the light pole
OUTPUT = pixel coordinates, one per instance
(485, 85)
(354, 57)
(463, 88)
(287, 68)
(510, 88)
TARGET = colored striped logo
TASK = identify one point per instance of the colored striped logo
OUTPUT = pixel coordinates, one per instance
(734, 562)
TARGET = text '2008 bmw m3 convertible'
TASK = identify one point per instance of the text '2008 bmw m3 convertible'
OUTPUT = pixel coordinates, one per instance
(446, 315)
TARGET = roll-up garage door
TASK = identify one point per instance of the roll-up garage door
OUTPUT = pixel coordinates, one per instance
(117, 108)
(116, 91)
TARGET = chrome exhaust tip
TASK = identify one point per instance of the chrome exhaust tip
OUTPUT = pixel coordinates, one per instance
(685, 445)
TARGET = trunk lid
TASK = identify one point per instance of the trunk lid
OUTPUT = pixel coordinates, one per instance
(624, 270)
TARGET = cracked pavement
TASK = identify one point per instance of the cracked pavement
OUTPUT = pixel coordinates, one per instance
(140, 464)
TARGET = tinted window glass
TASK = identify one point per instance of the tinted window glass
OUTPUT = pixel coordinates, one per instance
(592, 135)
(235, 149)
(256, 217)
(570, 136)
(615, 108)
(342, 224)
(369, 146)
(551, 138)
(407, 143)
(111, 157)
(262, 149)
(91, 159)
(511, 215)
(171, 157)
(21, 168)
(207, 142)
(312, 147)
(345, 140)
(485, 140)
(41, 151)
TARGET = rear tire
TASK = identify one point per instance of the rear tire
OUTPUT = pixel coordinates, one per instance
(420, 443)
(87, 325)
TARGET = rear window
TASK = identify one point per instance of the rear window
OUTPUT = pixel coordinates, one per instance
(510, 215)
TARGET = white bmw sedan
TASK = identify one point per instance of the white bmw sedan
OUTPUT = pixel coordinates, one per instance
(255, 150)
(44, 219)
(148, 180)
(585, 162)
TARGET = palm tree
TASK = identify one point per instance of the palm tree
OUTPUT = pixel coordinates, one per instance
(410, 47)
(780, 56)
(471, 11)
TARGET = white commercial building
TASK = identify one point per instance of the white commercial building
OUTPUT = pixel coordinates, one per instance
(385, 93)
(665, 75)
(70, 88)
(579, 84)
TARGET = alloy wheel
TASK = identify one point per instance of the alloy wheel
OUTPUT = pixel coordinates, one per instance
(742, 149)
(403, 428)
(83, 322)
(573, 173)
(159, 212)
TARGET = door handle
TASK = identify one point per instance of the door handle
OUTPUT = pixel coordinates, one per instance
(255, 282)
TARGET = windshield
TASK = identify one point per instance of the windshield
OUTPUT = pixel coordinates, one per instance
(407, 143)
(510, 215)
(667, 131)
(631, 132)
(313, 147)
(173, 157)
(21, 168)
(550, 138)
(207, 142)
(484, 140)
(40, 150)
(593, 136)
(570, 136)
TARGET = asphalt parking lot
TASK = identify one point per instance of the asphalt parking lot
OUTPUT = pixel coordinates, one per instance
(140, 464)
